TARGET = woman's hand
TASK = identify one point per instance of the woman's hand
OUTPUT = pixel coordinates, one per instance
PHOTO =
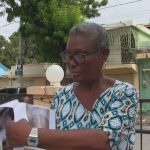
(17, 133)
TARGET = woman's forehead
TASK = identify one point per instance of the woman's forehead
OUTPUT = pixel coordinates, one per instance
(79, 42)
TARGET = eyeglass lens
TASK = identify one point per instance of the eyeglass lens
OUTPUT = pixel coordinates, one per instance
(78, 58)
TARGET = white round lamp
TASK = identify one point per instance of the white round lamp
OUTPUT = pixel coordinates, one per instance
(54, 74)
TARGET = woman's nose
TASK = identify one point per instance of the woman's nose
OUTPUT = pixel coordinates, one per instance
(71, 61)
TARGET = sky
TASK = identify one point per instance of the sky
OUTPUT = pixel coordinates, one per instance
(121, 10)
(115, 11)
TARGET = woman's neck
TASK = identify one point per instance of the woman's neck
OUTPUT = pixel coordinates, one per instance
(90, 85)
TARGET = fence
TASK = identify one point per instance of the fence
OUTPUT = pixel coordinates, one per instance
(142, 131)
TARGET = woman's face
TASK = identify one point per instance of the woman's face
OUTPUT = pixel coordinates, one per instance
(90, 68)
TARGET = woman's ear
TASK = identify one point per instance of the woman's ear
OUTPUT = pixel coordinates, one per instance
(104, 54)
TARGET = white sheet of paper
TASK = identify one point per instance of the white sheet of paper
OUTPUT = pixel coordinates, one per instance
(21, 112)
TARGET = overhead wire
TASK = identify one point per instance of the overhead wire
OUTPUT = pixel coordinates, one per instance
(120, 4)
(133, 12)
(99, 9)
(9, 24)
(126, 15)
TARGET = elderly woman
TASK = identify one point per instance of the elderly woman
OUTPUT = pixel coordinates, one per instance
(95, 112)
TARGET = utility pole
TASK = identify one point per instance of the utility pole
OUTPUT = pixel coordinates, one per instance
(19, 68)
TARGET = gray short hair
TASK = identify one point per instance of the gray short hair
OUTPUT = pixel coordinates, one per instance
(95, 31)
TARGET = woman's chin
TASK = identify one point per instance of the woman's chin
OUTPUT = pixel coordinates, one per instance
(76, 78)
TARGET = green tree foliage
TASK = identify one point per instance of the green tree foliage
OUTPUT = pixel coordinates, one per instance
(45, 23)
(8, 50)
(49, 28)
(89, 8)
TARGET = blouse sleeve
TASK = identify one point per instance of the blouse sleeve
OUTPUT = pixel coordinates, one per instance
(119, 120)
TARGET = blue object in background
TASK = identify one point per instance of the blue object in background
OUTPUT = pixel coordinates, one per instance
(3, 70)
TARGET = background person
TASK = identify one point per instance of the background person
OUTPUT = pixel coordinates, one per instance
(95, 112)
(26, 99)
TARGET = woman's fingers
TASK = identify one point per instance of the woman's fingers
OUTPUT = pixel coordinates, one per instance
(17, 133)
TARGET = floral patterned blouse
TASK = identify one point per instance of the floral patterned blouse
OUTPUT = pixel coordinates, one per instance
(114, 112)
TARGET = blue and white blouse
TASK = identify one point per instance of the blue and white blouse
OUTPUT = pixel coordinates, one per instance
(114, 112)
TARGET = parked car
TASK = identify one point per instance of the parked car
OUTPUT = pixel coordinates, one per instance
(13, 90)
(20, 93)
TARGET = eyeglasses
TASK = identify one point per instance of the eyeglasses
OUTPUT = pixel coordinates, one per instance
(79, 58)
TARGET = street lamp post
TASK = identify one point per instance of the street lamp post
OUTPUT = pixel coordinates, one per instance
(19, 68)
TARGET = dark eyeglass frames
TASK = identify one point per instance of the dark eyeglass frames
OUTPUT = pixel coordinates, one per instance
(79, 58)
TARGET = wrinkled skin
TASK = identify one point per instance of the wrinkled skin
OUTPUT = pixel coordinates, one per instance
(91, 69)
